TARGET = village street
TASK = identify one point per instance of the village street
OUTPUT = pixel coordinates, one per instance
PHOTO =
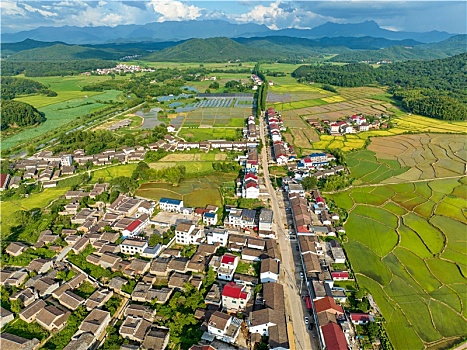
(300, 339)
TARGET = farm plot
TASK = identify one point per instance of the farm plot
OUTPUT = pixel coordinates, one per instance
(428, 155)
(195, 192)
(216, 117)
(203, 134)
(416, 261)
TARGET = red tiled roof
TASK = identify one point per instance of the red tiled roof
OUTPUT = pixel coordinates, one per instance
(319, 200)
(251, 176)
(302, 229)
(131, 227)
(340, 274)
(360, 317)
(228, 259)
(3, 178)
(233, 290)
(334, 338)
(251, 184)
(327, 303)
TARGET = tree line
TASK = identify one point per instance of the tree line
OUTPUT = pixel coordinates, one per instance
(13, 87)
(53, 68)
(434, 88)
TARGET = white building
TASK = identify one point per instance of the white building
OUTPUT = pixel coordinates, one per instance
(169, 204)
(265, 219)
(228, 266)
(269, 270)
(224, 327)
(188, 233)
(210, 218)
(66, 160)
(217, 235)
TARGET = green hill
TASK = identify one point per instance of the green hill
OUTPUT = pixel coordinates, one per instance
(447, 48)
(209, 50)
(17, 114)
(62, 52)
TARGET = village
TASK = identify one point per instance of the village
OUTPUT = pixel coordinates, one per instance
(137, 254)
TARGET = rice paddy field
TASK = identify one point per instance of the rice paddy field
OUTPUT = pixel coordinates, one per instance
(408, 247)
(195, 192)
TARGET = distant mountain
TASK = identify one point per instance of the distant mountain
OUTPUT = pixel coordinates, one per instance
(367, 28)
(209, 50)
(182, 30)
(62, 52)
(447, 48)
(166, 31)
(28, 44)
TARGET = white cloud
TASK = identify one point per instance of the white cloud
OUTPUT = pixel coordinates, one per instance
(44, 13)
(11, 9)
(169, 10)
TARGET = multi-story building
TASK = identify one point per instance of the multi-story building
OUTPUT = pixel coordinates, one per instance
(169, 204)
(187, 233)
(227, 267)
(234, 297)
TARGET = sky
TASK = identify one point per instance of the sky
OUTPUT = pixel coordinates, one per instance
(416, 16)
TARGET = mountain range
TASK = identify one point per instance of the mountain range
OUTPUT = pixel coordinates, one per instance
(221, 49)
(183, 30)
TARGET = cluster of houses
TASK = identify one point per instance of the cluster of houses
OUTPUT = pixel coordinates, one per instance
(258, 82)
(118, 69)
(250, 131)
(352, 125)
(49, 301)
(47, 168)
(315, 164)
(172, 144)
(281, 152)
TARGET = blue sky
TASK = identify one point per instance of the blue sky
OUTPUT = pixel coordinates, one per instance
(418, 16)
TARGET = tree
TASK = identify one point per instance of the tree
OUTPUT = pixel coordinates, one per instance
(15, 306)
(309, 183)
(214, 85)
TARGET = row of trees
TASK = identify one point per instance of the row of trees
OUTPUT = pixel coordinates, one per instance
(12, 87)
(53, 68)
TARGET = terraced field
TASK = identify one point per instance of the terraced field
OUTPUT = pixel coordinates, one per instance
(407, 244)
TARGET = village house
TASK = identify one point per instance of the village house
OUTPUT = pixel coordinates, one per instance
(227, 267)
(173, 205)
(217, 235)
(156, 339)
(95, 323)
(224, 327)
(234, 297)
(269, 270)
(187, 233)
(52, 318)
(13, 342)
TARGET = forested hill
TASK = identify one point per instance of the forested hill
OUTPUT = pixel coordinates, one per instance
(436, 88)
(13, 87)
(16, 114)
(449, 47)
(64, 52)
(209, 50)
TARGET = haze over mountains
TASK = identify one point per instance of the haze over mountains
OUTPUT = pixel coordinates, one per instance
(182, 30)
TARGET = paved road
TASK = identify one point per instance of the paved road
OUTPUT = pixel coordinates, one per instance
(293, 303)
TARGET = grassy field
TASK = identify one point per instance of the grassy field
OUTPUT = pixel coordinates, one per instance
(195, 192)
(109, 173)
(61, 113)
(36, 200)
(203, 134)
(413, 261)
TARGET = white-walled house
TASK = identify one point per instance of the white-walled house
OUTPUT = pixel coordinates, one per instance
(228, 266)
(234, 297)
(217, 235)
(224, 327)
(169, 204)
(270, 270)
(188, 233)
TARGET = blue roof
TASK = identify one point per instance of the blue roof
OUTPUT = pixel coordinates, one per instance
(170, 201)
(317, 154)
(210, 215)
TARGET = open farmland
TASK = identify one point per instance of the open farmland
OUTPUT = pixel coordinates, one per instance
(61, 113)
(195, 192)
(407, 245)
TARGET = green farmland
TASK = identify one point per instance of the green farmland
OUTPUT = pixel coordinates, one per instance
(61, 113)
(408, 246)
